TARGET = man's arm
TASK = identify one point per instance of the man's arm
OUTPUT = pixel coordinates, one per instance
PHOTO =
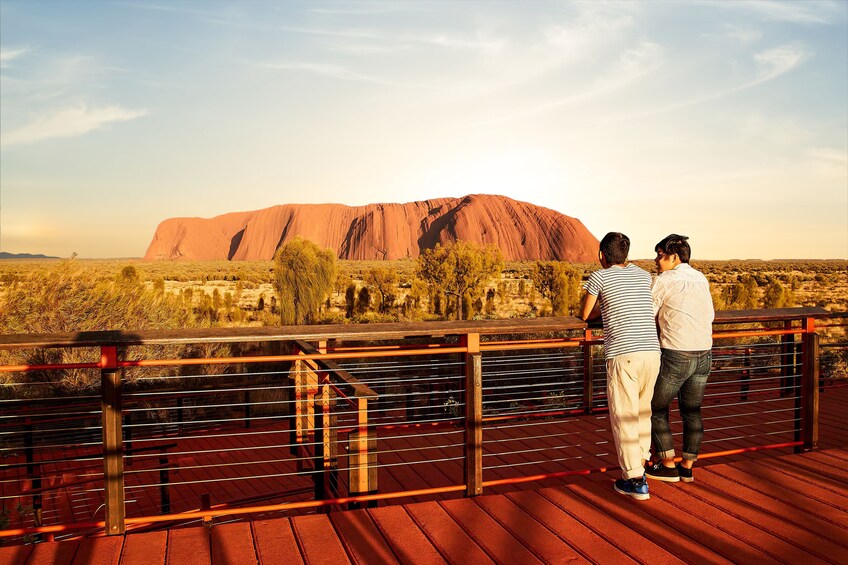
(591, 308)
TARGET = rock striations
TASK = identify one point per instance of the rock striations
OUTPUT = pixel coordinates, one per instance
(380, 231)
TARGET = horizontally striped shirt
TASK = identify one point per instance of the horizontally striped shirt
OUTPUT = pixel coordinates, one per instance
(624, 295)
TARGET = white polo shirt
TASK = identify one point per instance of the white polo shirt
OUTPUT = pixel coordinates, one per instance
(684, 309)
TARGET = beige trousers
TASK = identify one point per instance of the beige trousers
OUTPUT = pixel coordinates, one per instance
(630, 386)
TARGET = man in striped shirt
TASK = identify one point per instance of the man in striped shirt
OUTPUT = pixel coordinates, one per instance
(621, 294)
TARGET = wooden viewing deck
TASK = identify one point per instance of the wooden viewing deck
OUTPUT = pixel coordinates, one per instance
(187, 465)
(786, 509)
(761, 508)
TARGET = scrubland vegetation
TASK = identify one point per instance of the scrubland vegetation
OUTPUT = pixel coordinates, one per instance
(77, 295)
(305, 284)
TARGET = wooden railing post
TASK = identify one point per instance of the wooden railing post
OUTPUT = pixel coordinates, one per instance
(473, 416)
(319, 476)
(809, 394)
(362, 443)
(588, 372)
(330, 438)
(296, 430)
(113, 452)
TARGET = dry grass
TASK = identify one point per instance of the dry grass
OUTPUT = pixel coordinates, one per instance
(818, 282)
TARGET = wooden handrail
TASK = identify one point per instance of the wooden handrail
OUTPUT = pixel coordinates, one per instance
(361, 390)
(362, 332)
(350, 332)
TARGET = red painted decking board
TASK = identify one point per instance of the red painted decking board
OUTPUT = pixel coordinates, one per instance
(574, 532)
(317, 540)
(798, 485)
(189, 546)
(274, 541)
(778, 498)
(757, 532)
(493, 538)
(650, 530)
(233, 543)
(362, 538)
(729, 514)
(775, 516)
(522, 526)
(408, 542)
(146, 549)
(451, 540)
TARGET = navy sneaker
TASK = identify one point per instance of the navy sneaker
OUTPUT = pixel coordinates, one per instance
(660, 472)
(636, 488)
(685, 474)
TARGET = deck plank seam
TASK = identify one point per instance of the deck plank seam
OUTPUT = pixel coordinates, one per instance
(615, 511)
(591, 527)
(798, 523)
(788, 470)
(753, 487)
(577, 548)
(767, 547)
(531, 518)
(424, 531)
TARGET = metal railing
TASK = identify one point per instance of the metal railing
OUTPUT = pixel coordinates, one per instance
(312, 418)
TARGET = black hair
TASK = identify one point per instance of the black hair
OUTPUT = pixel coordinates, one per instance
(675, 244)
(615, 246)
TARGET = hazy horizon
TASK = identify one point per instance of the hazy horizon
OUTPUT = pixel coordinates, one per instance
(724, 121)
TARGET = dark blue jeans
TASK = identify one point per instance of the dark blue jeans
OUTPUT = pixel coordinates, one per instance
(683, 374)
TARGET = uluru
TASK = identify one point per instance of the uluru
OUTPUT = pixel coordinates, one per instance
(521, 230)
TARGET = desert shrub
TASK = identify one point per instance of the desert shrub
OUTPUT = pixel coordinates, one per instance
(303, 276)
(384, 283)
(462, 271)
(560, 283)
(72, 299)
(350, 300)
(363, 301)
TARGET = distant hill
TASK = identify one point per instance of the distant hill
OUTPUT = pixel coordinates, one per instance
(380, 231)
(4, 255)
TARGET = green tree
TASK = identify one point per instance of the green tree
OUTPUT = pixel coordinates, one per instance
(741, 295)
(776, 295)
(560, 283)
(129, 274)
(461, 271)
(363, 301)
(303, 277)
(350, 300)
(384, 282)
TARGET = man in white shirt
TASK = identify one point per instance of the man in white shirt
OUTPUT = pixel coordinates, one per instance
(684, 310)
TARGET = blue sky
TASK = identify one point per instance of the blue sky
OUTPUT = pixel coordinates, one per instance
(724, 121)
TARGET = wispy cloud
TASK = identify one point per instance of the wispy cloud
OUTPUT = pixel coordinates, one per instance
(7, 55)
(366, 10)
(771, 64)
(777, 61)
(743, 34)
(339, 72)
(478, 43)
(633, 64)
(809, 12)
(69, 122)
